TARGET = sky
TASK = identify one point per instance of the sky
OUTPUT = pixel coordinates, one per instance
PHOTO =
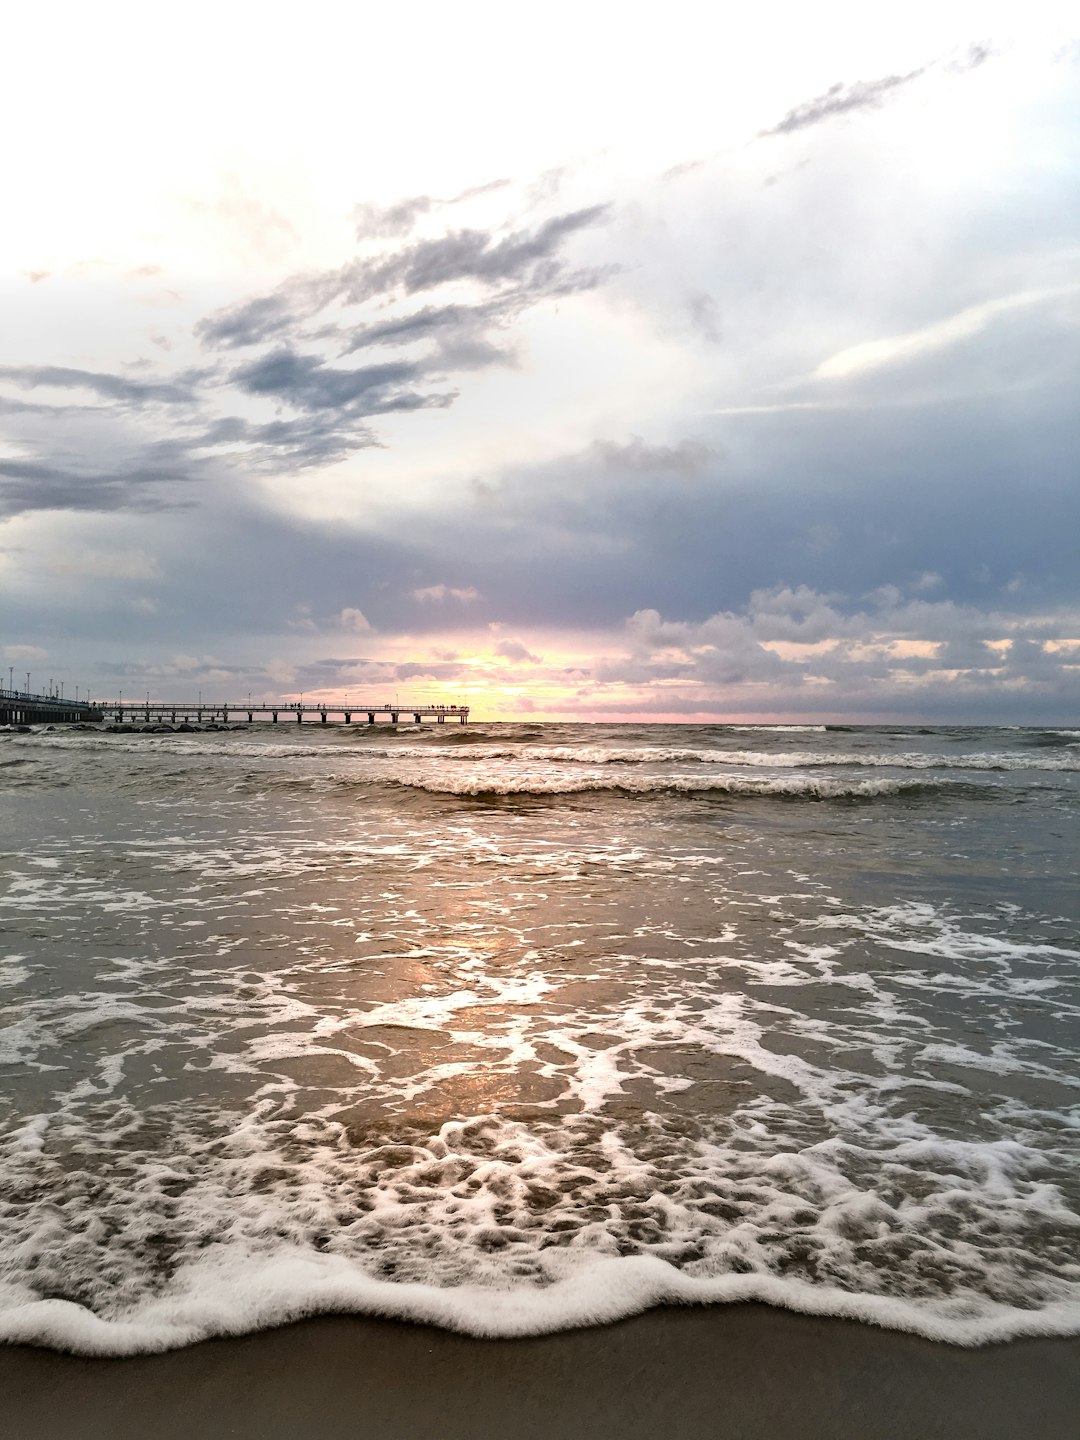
(592, 361)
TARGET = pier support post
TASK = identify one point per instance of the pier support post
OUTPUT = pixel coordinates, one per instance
(393, 717)
(322, 716)
(371, 717)
(299, 716)
(274, 713)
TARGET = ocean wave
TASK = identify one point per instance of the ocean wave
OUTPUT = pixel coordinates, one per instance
(520, 746)
(781, 729)
(493, 1228)
(790, 760)
(794, 787)
(587, 754)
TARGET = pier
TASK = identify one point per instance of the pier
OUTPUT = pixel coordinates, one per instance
(20, 707)
(276, 711)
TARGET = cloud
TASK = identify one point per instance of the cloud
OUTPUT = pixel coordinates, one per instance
(462, 337)
(388, 222)
(306, 383)
(28, 485)
(894, 349)
(288, 445)
(527, 258)
(515, 650)
(664, 448)
(110, 387)
(352, 619)
(430, 594)
(804, 652)
(841, 99)
(311, 311)
(325, 408)
(976, 54)
(474, 255)
(280, 671)
(686, 457)
(249, 322)
(25, 652)
(131, 564)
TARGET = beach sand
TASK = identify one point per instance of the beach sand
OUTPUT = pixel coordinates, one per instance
(736, 1372)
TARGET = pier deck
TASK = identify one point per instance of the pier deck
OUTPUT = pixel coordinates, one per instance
(20, 708)
(351, 712)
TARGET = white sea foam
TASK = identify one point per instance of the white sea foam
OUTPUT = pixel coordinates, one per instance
(781, 729)
(238, 745)
(452, 1232)
(235, 1297)
(333, 1046)
(791, 786)
(12, 971)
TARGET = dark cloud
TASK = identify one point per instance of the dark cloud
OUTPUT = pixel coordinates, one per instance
(308, 384)
(334, 402)
(248, 323)
(298, 443)
(433, 322)
(477, 255)
(515, 650)
(334, 405)
(110, 387)
(516, 269)
(898, 536)
(26, 486)
(841, 99)
(526, 258)
(837, 500)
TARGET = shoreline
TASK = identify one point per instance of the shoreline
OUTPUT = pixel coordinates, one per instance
(739, 1371)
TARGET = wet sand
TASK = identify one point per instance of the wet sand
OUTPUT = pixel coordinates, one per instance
(731, 1372)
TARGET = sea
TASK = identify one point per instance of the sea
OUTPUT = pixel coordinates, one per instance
(514, 1028)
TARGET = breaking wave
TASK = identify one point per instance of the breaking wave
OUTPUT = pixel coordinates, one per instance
(498, 1228)
(291, 1027)
(786, 787)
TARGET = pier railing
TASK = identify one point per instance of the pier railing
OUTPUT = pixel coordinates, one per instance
(22, 707)
(202, 711)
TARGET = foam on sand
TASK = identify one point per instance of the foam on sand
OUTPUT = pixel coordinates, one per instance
(254, 1269)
